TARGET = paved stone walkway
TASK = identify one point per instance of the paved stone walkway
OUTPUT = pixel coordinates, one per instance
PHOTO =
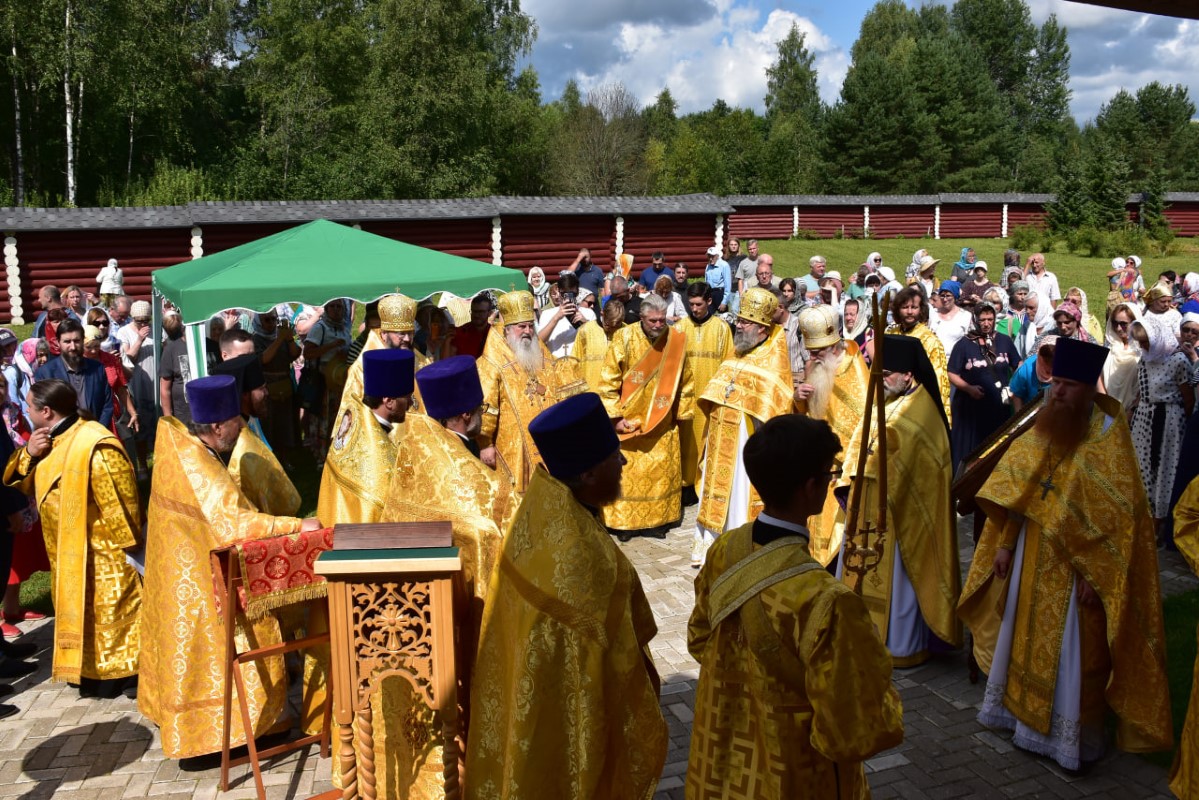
(68, 748)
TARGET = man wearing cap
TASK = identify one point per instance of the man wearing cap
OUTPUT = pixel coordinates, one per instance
(833, 390)
(252, 464)
(196, 507)
(365, 434)
(748, 389)
(909, 309)
(438, 450)
(647, 388)
(913, 592)
(794, 685)
(564, 698)
(718, 276)
(1062, 596)
(397, 325)
(520, 378)
(709, 343)
(87, 497)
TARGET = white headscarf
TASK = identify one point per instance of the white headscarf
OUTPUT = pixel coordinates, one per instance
(1162, 343)
(1044, 311)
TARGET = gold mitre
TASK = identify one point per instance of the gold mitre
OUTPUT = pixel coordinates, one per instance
(516, 307)
(758, 305)
(818, 325)
(397, 314)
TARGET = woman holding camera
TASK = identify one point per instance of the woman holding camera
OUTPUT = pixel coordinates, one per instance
(558, 326)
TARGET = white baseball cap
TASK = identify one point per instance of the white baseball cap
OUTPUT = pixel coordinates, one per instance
(714, 251)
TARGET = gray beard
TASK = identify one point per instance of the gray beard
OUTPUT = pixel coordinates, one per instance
(744, 341)
(821, 377)
(527, 354)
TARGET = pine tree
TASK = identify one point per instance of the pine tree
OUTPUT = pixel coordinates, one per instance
(1071, 207)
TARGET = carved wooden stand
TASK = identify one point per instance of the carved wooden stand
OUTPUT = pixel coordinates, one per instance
(391, 612)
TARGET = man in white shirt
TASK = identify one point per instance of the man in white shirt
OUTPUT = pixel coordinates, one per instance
(1041, 280)
(558, 325)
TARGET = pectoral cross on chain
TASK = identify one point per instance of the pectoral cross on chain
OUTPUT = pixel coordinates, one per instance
(1046, 485)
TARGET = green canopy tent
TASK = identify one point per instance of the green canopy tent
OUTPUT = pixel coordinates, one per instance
(312, 264)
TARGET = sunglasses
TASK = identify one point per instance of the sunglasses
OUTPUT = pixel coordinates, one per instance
(877, 260)
(1122, 324)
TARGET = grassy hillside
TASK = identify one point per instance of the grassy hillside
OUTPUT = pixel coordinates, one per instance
(845, 255)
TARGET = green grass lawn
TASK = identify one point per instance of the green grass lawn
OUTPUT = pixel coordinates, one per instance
(846, 255)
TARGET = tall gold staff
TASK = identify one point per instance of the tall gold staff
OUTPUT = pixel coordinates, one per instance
(860, 556)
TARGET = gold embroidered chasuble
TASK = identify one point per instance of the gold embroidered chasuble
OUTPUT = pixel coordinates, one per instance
(920, 518)
(357, 467)
(846, 408)
(936, 355)
(88, 501)
(709, 344)
(794, 686)
(755, 387)
(195, 507)
(512, 397)
(260, 477)
(1184, 775)
(437, 478)
(1094, 523)
(589, 348)
(353, 386)
(564, 699)
(650, 384)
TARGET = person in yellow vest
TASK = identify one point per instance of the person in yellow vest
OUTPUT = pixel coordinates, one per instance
(909, 309)
(647, 389)
(438, 476)
(833, 390)
(564, 699)
(1063, 596)
(365, 436)
(195, 508)
(1184, 775)
(794, 685)
(748, 389)
(709, 343)
(520, 379)
(592, 339)
(913, 592)
(86, 490)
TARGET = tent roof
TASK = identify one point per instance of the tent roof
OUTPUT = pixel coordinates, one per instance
(316, 262)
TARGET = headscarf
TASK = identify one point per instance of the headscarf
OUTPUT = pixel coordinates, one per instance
(26, 356)
(1120, 370)
(912, 272)
(1003, 306)
(1044, 310)
(1007, 272)
(541, 293)
(870, 261)
(1162, 343)
(962, 263)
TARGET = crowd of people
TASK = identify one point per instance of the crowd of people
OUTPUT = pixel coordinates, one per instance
(559, 421)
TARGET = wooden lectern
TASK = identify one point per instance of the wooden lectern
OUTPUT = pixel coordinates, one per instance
(391, 612)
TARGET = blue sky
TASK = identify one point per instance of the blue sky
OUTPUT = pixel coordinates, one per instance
(709, 49)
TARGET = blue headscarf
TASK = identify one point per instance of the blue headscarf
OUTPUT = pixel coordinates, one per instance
(962, 263)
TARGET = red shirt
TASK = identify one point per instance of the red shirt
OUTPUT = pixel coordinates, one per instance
(469, 340)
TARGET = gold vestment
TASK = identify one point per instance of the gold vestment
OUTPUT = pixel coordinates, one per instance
(920, 519)
(512, 397)
(936, 354)
(195, 507)
(757, 387)
(846, 408)
(1184, 775)
(87, 498)
(589, 348)
(436, 478)
(261, 478)
(358, 466)
(1093, 522)
(564, 699)
(352, 391)
(709, 344)
(797, 716)
(652, 479)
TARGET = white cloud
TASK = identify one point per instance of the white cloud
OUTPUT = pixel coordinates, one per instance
(724, 56)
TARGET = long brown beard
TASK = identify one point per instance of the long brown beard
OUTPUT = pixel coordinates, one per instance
(1065, 426)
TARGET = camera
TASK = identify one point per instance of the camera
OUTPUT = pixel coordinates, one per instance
(569, 298)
